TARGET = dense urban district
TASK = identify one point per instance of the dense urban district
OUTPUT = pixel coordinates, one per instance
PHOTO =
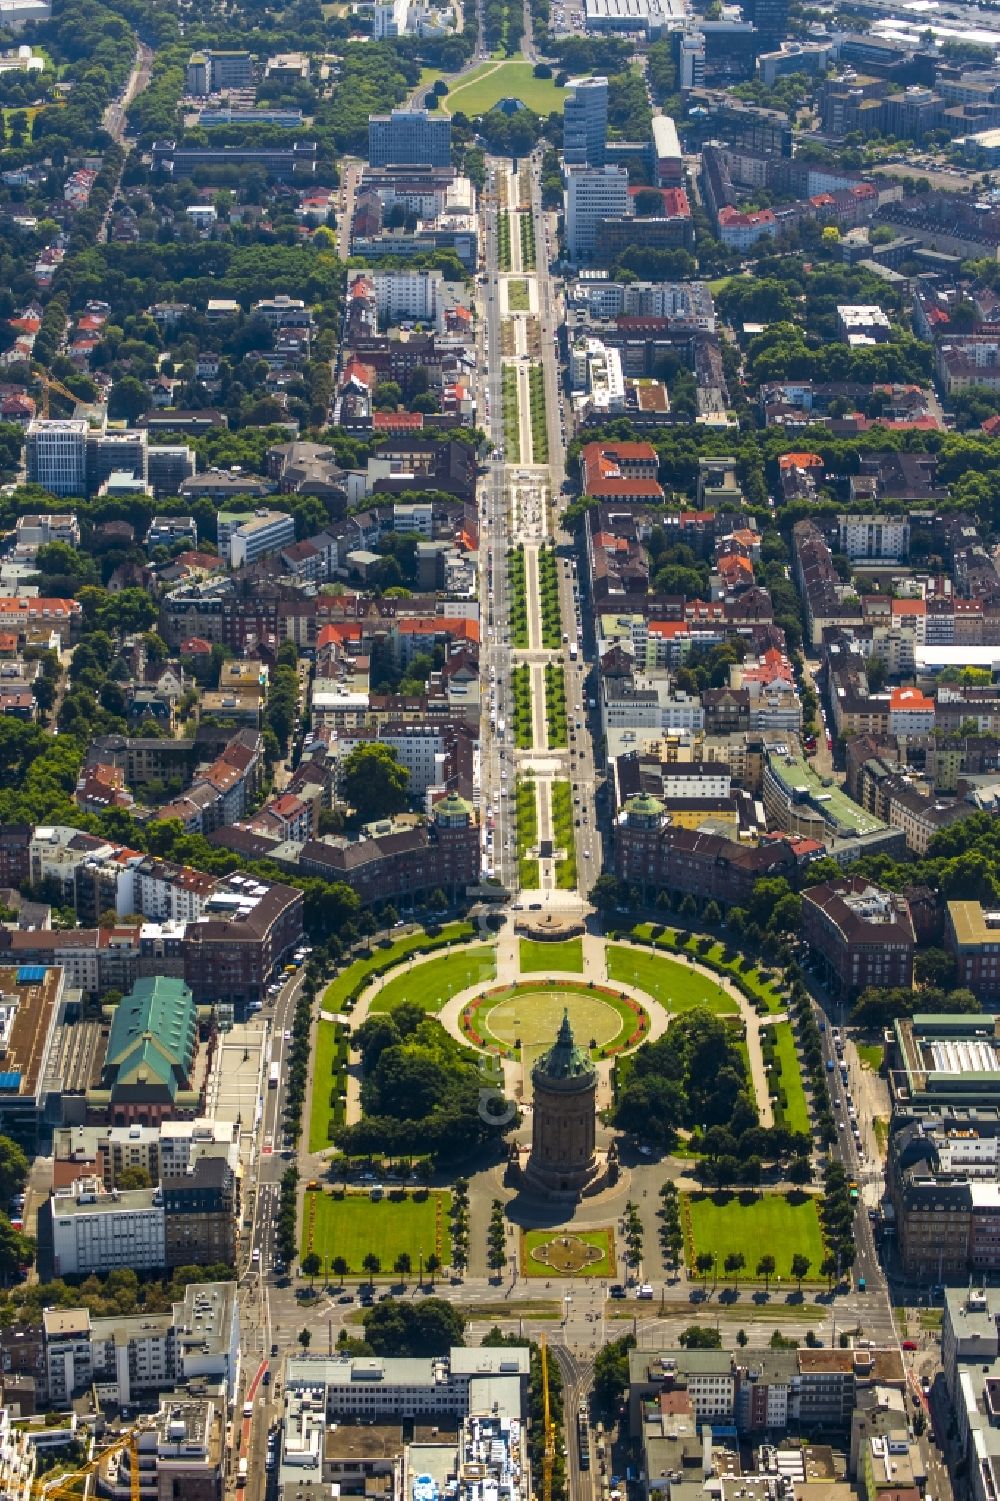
(499, 750)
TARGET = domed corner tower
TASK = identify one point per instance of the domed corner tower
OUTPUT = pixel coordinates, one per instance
(564, 1114)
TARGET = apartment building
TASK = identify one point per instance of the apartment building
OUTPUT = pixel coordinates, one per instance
(972, 934)
(863, 935)
(83, 1229)
(244, 539)
(130, 1356)
(881, 538)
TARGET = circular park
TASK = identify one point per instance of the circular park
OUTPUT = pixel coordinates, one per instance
(521, 1021)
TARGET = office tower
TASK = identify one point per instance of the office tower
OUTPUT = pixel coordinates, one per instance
(56, 455)
(585, 122)
(409, 137)
(692, 61)
(592, 194)
(770, 19)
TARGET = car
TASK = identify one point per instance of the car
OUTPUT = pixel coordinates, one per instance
(909, 1344)
(616, 1290)
(346, 1298)
(274, 1349)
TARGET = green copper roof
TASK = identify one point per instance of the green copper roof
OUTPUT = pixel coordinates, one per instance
(644, 803)
(453, 805)
(564, 1060)
(153, 1035)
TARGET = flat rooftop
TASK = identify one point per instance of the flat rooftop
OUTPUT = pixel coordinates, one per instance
(845, 815)
(29, 996)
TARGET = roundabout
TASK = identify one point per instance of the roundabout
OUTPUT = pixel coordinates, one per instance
(521, 1021)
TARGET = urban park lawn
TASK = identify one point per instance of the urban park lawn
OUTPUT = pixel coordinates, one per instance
(483, 88)
(542, 957)
(430, 985)
(354, 1224)
(674, 983)
(727, 1223)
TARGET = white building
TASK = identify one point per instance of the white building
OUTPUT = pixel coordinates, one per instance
(56, 454)
(94, 1231)
(33, 532)
(667, 152)
(199, 1339)
(592, 194)
(886, 538)
(596, 374)
(389, 19)
(244, 539)
(692, 64)
(862, 323)
(374, 1389)
(413, 296)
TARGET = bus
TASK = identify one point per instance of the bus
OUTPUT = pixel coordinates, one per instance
(274, 1074)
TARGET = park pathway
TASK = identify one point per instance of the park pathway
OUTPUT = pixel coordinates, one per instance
(594, 968)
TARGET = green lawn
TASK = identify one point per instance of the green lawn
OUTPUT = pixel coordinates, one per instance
(526, 812)
(542, 958)
(429, 77)
(602, 1240)
(670, 981)
(517, 295)
(430, 985)
(783, 1225)
(355, 1225)
(871, 1055)
(483, 88)
(322, 1111)
(530, 1019)
(763, 992)
(511, 415)
(343, 987)
(796, 1110)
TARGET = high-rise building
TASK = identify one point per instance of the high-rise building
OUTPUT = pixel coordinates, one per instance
(409, 137)
(56, 454)
(592, 194)
(692, 60)
(770, 18)
(585, 122)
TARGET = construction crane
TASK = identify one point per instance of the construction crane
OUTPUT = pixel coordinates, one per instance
(549, 1454)
(49, 383)
(68, 1487)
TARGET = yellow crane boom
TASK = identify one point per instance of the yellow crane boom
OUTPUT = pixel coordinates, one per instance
(549, 1453)
(49, 383)
(68, 1487)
